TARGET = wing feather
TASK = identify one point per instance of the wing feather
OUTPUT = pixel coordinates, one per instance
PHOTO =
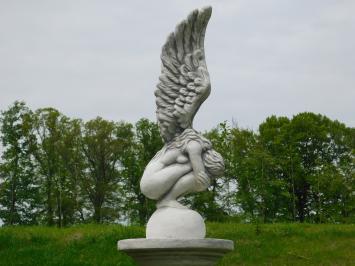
(184, 81)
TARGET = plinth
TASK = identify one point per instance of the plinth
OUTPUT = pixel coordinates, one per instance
(175, 252)
(175, 237)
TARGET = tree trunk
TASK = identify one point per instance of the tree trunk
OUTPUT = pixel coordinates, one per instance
(293, 191)
(302, 201)
(59, 204)
(97, 214)
(50, 220)
(13, 200)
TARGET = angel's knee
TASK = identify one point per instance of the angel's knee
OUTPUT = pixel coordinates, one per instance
(149, 189)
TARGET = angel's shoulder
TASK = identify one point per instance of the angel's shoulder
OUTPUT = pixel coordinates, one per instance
(194, 146)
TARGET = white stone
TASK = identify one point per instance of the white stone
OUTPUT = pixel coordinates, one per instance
(186, 164)
(175, 252)
(177, 223)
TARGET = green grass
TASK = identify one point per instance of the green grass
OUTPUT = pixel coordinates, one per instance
(269, 244)
(288, 244)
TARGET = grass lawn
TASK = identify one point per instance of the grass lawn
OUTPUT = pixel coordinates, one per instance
(266, 244)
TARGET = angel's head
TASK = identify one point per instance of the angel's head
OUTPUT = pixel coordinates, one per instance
(214, 163)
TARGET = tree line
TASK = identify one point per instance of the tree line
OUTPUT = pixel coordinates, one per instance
(56, 170)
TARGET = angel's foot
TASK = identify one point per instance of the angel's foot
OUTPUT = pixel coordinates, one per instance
(170, 203)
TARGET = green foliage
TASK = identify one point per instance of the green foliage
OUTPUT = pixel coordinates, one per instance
(78, 245)
(147, 142)
(267, 244)
(104, 144)
(60, 171)
(19, 185)
(300, 169)
(56, 153)
(286, 244)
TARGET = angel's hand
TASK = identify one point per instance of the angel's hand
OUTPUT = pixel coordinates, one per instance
(203, 181)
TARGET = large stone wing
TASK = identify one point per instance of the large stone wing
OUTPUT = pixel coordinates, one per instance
(184, 82)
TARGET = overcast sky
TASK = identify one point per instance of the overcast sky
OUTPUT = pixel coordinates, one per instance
(102, 58)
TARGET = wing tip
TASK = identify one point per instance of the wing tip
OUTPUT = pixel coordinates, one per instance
(207, 10)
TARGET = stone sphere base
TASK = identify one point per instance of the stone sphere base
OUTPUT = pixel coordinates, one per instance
(168, 222)
(175, 252)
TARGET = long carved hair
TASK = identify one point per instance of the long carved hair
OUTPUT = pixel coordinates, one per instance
(214, 163)
(181, 141)
(212, 160)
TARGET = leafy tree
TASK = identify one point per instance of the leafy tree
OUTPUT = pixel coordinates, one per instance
(146, 143)
(103, 146)
(241, 149)
(70, 200)
(60, 165)
(58, 170)
(309, 151)
(273, 134)
(48, 159)
(19, 197)
(218, 201)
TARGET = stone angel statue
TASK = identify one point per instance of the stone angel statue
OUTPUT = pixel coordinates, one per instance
(187, 163)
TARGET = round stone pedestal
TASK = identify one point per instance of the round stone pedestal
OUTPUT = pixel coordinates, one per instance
(167, 222)
(175, 252)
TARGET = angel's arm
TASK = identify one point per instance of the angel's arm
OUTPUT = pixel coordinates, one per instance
(194, 150)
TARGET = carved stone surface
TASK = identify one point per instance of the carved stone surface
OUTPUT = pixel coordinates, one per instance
(175, 252)
(176, 223)
(187, 163)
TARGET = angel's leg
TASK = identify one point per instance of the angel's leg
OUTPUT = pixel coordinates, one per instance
(183, 186)
(155, 184)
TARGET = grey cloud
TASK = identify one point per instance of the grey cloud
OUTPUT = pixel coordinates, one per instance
(90, 58)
